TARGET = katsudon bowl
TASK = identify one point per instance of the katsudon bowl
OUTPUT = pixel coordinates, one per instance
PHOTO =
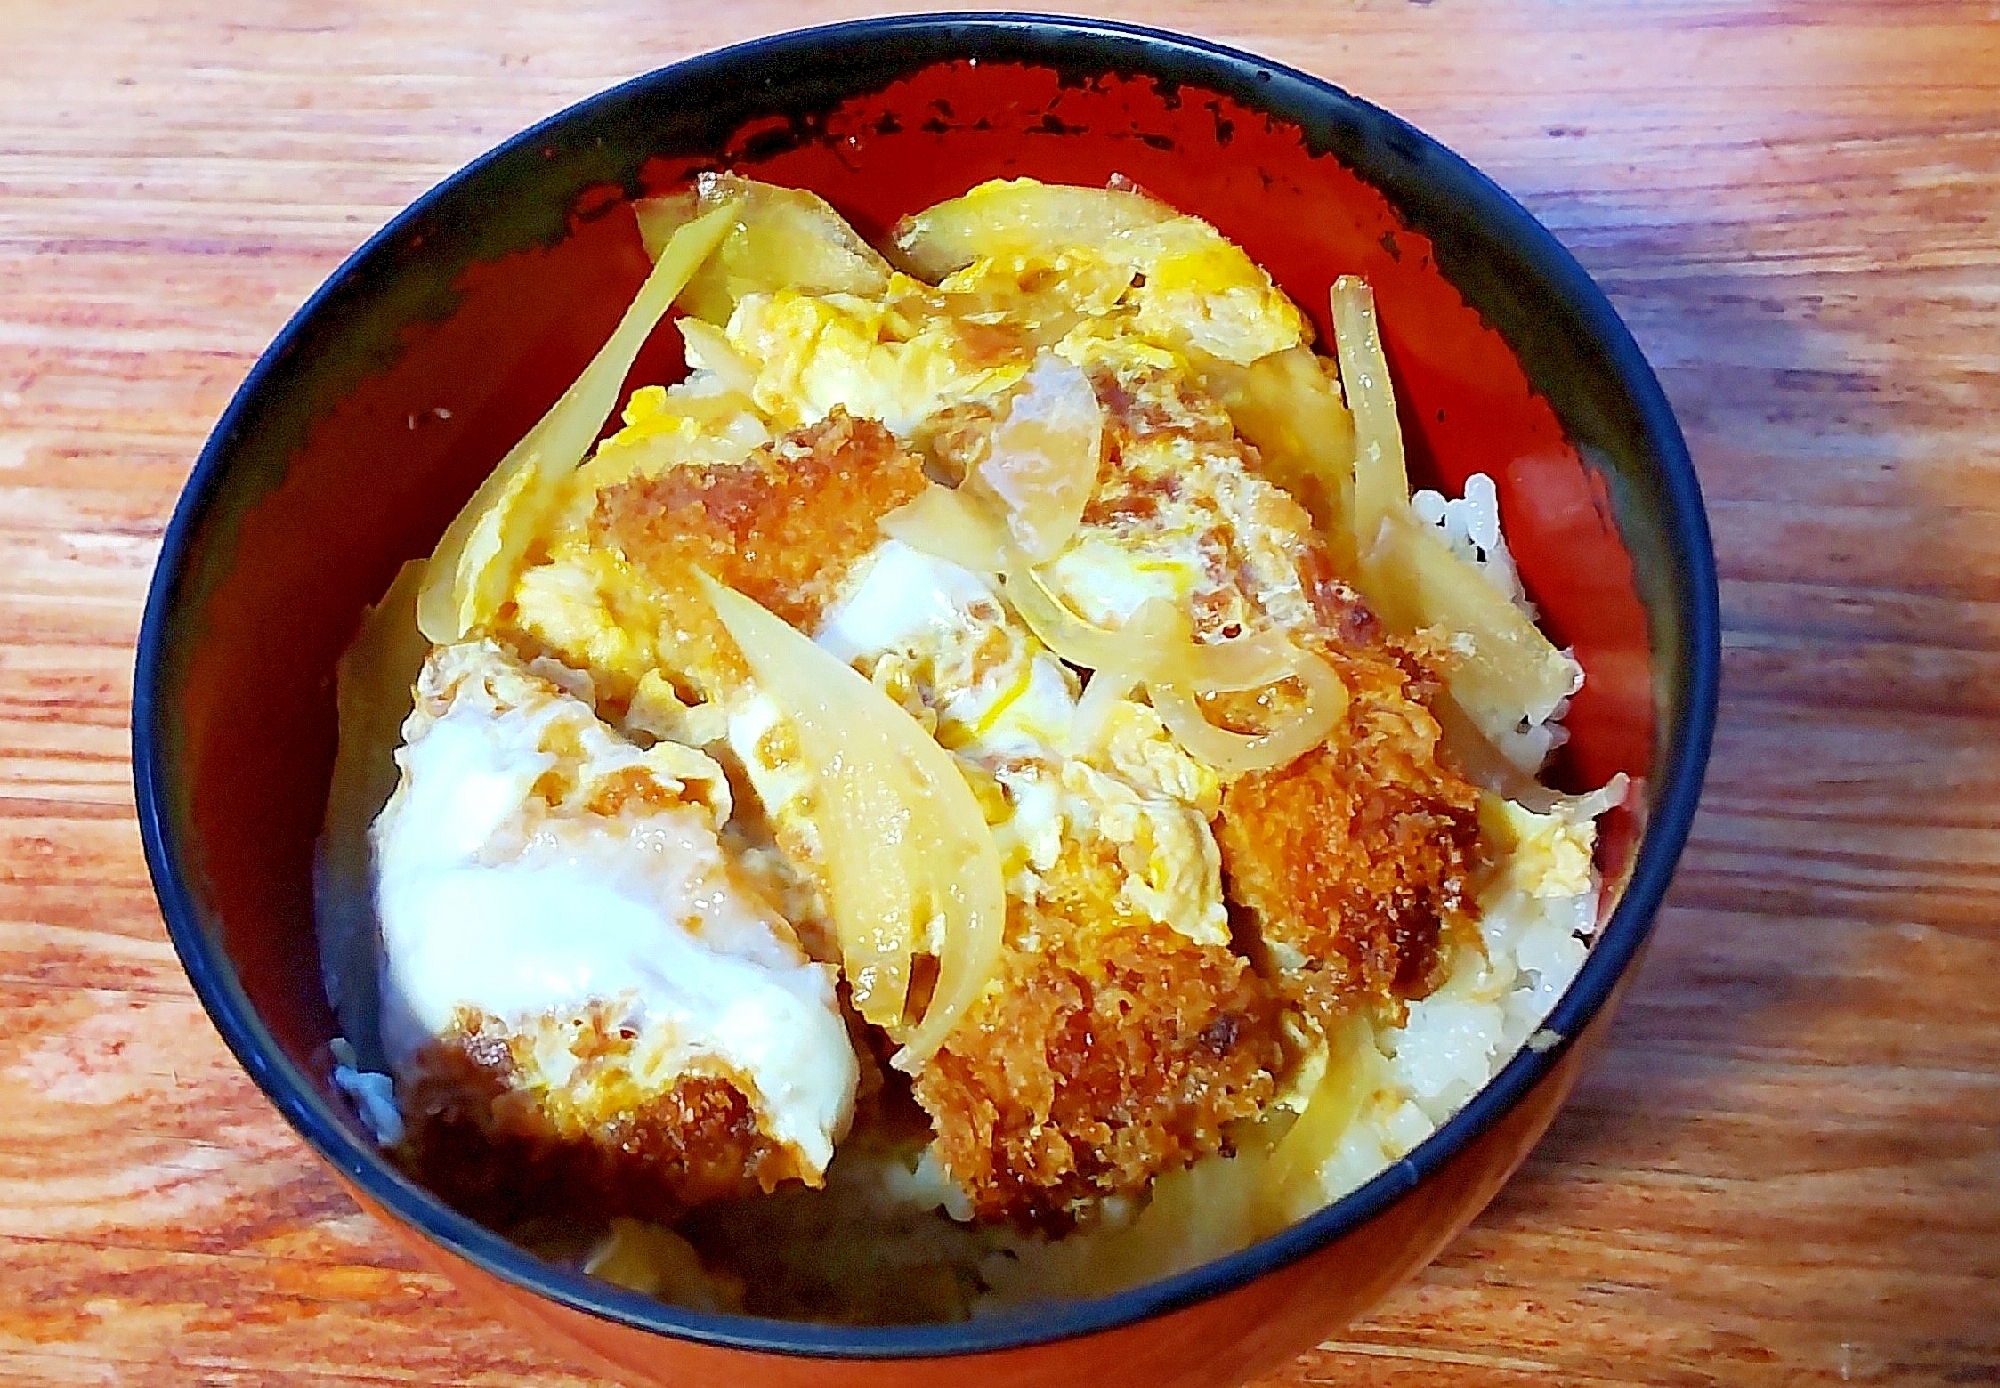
(394, 391)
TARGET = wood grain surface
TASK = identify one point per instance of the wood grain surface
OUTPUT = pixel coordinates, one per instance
(1785, 1168)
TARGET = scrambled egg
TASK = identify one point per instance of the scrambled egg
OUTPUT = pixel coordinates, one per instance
(1543, 855)
(940, 637)
(1104, 831)
(892, 359)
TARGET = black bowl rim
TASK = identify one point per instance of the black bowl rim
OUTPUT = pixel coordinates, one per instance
(1618, 942)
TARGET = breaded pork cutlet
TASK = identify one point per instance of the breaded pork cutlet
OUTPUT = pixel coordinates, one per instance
(1351, 864)
(1114, 1047)
(501, 1137)
(1348, 865)
(1117, 1045)
(784, 526)
(591, 1057)
(1108, 1054)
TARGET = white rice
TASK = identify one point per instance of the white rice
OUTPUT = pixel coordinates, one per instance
(372, 1093)
(1471, 526)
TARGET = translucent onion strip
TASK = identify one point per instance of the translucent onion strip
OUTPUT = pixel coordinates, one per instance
(781, 238)
(1157, 643)
(1079, 642)
(1504, 667)
(1106, 690)
(474, 565)
(1212, 667)
(1021, 217)
(947, 524)
(1291, 1186)
(372, 693)
(1289, 406)
(1381, 479)
(1156, 647)
(1029, 490)
(1041, 464)
(707, 348)
(1236, 753)
(910, 864)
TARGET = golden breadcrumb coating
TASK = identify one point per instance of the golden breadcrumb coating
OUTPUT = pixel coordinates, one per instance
(1099, 1061)
(501, 1136)
(1111, 1048)
(1110, 1053)
(1352, 864)
(783, 526)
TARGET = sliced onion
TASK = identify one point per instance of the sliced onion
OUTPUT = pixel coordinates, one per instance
(1106, 690)
(1292, 1187)
(1235, 753)
(1248, 662)
(473, 568)
(1081, 643)
(707, 349)
(1041, 462)
(948, 524)
(1172, 655)
(1504, 668)
(372, 696)
(1156, 643)
(1381, 479)
(903, 842)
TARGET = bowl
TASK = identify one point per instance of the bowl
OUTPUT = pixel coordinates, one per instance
(394, 390)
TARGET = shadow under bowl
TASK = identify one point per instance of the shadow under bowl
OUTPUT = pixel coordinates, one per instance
(396, 388)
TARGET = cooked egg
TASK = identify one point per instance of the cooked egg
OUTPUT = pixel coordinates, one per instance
(1543, 855)
(812, 353)
(534, 866)
(1006, 706)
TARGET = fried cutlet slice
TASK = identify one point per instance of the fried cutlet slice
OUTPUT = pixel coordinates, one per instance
(578, 985)
(1106, 1055)
(1351, 864)
(1121, 1039)
(1102, 1059)
(500, 1139)
(783, 526)
(1347, 867)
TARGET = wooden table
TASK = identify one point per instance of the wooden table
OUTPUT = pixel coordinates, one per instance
(1785, 1168)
